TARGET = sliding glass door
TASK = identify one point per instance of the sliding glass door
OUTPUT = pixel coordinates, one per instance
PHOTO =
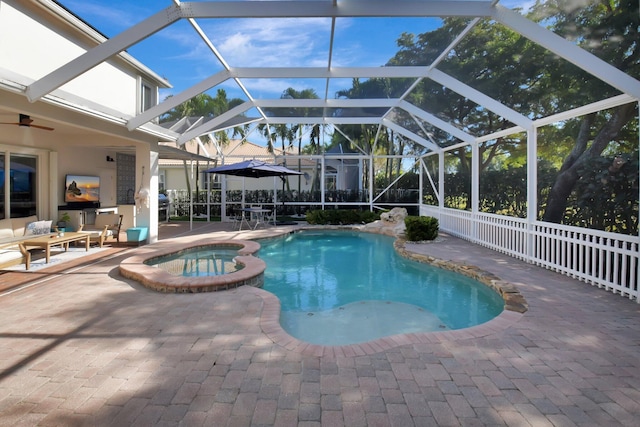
(19, 182)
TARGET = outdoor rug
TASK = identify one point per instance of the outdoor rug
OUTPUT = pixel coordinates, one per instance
(58, 257)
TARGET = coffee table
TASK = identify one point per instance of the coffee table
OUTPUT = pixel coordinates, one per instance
(48, 240)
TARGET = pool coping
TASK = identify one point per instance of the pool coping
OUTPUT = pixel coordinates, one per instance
(514, 309)
(252, 275)
(270, 325)
(157, 279)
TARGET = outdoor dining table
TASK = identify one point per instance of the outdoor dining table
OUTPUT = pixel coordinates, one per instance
(257, 213)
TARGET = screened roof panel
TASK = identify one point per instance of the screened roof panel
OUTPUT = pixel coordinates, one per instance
(472, 54)
(301, 42)
(508, 78)
(367, 41)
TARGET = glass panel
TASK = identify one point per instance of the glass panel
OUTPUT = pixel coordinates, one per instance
(22, 186)
(148, 98)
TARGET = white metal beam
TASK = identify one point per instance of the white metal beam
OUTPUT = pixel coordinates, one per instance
(178, 99)
(413, 136)
(605, 104)
(569, 51)
(440, 58)
(479, 98)
(321, 103)
(325, 73)
(342, 9)
(500, 134)
(211, 124)
(102, 52)
(439, 123)
(323, 120)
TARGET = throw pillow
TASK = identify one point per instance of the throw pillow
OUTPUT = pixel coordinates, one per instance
(46, 226)
(37, 228)
(29, 229)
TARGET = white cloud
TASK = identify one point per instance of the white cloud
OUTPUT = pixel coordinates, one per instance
(271, 42)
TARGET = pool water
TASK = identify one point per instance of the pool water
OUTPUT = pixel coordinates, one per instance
(199, 261)
(342, 287)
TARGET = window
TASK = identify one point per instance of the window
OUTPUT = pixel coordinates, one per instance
(162, 186)
(148, 96)
(216, 181)
(330, 181)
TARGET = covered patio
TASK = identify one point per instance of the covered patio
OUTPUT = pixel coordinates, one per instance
(102, 350)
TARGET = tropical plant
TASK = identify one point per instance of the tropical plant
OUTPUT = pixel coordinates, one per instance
(204, 105)
(526, 77)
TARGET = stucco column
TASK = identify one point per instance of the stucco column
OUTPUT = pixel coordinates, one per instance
(147, 183)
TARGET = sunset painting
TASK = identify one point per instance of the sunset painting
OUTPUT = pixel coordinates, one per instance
(79, 188)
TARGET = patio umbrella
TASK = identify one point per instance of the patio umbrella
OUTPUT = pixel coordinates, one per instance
(253, 169)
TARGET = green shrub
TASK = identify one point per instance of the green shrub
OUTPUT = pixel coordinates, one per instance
(340, 217)
(368, 216)
(316, 217)
(419, 228)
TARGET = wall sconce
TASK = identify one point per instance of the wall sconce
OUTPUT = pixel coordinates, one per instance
(110, 159)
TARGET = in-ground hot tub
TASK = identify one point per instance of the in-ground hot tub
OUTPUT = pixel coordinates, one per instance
(145, 267)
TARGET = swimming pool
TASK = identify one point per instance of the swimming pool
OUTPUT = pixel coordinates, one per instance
(343, 287)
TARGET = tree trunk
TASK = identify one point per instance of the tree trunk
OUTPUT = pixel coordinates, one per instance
(569, 175)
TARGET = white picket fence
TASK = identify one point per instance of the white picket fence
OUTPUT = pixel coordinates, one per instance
(607, 260)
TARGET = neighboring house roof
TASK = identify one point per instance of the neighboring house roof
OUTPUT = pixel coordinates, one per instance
(235, 151)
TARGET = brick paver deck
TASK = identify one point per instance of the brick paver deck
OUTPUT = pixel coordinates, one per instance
(86, 347)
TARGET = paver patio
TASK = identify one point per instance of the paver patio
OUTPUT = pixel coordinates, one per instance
(86, 347)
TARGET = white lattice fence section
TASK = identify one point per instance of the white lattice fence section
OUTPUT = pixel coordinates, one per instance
(456, 222)
(502, 234)
(607, 260)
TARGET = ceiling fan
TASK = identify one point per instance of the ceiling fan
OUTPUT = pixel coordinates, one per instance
(27, 121)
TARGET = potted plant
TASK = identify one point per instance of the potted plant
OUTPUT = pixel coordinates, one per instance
(63, 220)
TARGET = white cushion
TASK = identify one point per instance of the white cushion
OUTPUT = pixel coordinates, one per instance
(19, 224)
(6, 229)
(7, 255)
(96, 233)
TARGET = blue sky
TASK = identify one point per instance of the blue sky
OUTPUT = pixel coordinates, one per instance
(179, 55)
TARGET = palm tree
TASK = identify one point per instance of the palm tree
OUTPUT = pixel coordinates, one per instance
(203, 105)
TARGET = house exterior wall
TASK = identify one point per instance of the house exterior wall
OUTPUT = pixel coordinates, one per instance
(32, 50)
(86, 161)
(37, 38)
